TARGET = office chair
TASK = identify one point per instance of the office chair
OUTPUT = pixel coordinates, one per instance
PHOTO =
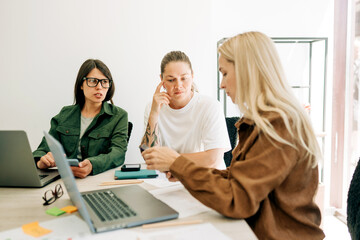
(130, 127)
(232, 131)
(353, 203)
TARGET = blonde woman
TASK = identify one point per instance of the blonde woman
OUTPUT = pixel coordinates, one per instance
(273, 177)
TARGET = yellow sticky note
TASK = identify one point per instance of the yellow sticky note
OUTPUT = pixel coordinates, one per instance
(33, 229)
(69, 209)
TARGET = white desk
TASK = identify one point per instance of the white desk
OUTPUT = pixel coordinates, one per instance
(24, 205)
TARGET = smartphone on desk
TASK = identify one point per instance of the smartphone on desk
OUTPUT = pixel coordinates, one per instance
(130, 167)
(73, 162)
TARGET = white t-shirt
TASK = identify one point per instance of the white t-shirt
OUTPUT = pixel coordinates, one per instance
(197, 127)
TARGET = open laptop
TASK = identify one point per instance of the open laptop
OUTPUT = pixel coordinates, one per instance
(17, 165)
(114, 208)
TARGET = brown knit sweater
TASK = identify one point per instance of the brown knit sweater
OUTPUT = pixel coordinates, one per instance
(266, 185)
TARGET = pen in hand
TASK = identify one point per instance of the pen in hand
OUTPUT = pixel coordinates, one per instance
(143, 147)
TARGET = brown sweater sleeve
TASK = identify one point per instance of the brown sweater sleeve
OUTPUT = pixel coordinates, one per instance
(249, 180)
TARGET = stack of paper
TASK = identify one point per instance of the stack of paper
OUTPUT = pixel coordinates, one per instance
(204, 231)
(180, 199)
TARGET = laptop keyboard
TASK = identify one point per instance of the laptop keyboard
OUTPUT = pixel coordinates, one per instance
(42, 176)
(108, 206)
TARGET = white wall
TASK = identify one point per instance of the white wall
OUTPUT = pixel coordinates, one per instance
(44, 42)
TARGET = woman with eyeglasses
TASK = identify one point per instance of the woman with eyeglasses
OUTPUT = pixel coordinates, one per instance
(273, 176)
(184, 120)
(92, 130)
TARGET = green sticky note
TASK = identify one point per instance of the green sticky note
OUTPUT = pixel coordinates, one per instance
(55, 211)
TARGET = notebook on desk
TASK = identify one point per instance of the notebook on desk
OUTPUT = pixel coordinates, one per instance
(142, 173)
(113, 208)
(17, 165)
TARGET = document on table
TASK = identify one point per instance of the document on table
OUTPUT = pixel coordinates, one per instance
(200, 231)
(180, 199)
(68, 227)
(161, 182)
(115, 234)
(61, 228)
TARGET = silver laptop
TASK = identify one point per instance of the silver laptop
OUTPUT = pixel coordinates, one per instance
(114, 208)
(17, 165)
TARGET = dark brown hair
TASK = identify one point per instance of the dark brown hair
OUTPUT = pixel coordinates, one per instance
(85, 69)
(174, 56)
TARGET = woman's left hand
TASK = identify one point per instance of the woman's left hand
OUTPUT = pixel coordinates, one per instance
(159, 158)
(83, 170)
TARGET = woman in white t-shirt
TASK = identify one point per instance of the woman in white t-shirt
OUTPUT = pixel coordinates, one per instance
(184, 120)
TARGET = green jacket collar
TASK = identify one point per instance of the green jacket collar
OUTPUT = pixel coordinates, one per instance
(106, 109)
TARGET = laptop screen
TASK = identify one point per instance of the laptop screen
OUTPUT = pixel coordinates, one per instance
(68, 177)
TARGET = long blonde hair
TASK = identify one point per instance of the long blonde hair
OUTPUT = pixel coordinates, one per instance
(261, 87)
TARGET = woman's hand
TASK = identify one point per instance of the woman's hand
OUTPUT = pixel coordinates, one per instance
(151, 136)
(159, 158)
(46, 161)
(170, 177)
(159, 99)
(83, 170)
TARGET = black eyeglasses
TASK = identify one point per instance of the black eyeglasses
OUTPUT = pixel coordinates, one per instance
(93, 82)
(50, 196)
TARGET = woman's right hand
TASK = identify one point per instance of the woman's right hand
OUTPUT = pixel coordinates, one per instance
(46, 161)
(159, 99)
(170, 177)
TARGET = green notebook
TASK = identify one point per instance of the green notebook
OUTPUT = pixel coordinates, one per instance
(143, 173)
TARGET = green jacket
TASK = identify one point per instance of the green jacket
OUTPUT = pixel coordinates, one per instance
(104, 142)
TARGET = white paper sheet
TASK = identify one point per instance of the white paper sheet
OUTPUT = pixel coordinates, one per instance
(180, 199)
(204, 231)
(161, 182)
(62, 228)
(122, 234)
(65, 228)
